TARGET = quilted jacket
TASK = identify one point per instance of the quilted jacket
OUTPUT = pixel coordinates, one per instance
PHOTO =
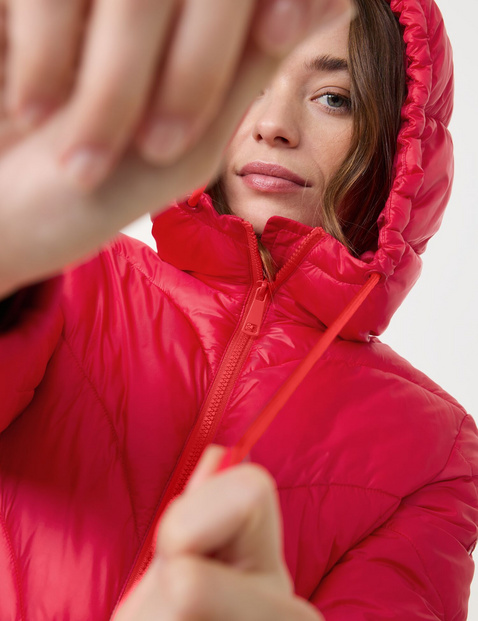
(117, 374)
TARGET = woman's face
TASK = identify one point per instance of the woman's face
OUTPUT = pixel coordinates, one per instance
(294, 137)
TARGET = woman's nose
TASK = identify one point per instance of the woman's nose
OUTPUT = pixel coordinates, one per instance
(276, 123)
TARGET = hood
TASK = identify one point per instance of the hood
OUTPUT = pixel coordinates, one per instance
(423, 173)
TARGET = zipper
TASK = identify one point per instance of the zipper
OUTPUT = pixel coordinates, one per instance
(253, 320)
(208, 420)
(211, 413)
(297, 256)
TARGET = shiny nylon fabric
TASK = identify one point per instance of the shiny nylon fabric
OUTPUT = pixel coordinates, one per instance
(105, 372)
(414, 209)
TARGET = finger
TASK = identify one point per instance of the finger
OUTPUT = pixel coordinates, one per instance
(197, 77)
(91, 218)
(181, 588)
(3, 46)
(88, 156)
(233, 515)
(207, 466)
(43, 45)
(281, 24)
(189, 587)
(199, 68)
(325, 13)
(9, 133)
(121, 56)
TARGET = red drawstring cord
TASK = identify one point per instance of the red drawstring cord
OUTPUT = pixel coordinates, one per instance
(193, 200)
(238, 452)
(241, 449)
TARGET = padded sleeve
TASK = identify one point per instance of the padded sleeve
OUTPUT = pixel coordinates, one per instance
(418, 565)
(30, 325)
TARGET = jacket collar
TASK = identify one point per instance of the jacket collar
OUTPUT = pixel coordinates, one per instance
(215, 248)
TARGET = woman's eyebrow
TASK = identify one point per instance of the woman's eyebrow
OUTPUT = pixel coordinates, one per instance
(326, 63)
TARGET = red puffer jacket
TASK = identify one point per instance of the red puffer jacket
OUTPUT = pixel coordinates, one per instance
(116, 375)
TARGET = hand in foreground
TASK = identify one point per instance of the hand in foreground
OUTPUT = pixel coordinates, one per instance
(153, 71)
(50, 219)
(219, 554)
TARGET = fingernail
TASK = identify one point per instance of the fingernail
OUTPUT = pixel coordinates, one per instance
(286, 22)
(86, 167)
(165, 140)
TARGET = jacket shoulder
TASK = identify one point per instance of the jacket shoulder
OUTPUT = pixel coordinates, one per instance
(394, 418)
(382, 359)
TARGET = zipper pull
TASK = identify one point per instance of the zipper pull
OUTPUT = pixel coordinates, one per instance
(253, 319)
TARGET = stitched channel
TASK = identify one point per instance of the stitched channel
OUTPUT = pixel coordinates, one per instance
(16, 569)
(113, 431)
(175, 304)
(342, 485)
(397, 532)
(331, 356)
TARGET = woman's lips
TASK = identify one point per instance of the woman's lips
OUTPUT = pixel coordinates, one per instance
(271, 178)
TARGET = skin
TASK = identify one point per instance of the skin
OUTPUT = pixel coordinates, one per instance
(65, 210)
(235, 516)
(53, 218)
(128, 68)
(303, 121)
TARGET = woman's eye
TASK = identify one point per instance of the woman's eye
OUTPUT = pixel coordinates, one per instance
(335, 102)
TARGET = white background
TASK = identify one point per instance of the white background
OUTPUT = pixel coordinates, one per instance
(436, 327)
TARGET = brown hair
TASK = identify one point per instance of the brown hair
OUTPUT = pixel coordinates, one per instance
(356, 194)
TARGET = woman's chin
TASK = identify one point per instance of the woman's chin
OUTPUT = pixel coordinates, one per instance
(259, 212)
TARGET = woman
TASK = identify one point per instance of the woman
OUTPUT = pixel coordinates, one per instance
(140, 362)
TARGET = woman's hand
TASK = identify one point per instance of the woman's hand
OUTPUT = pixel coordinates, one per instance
(49, 217)
(156, 72)
(46, 222)
(219, 554)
